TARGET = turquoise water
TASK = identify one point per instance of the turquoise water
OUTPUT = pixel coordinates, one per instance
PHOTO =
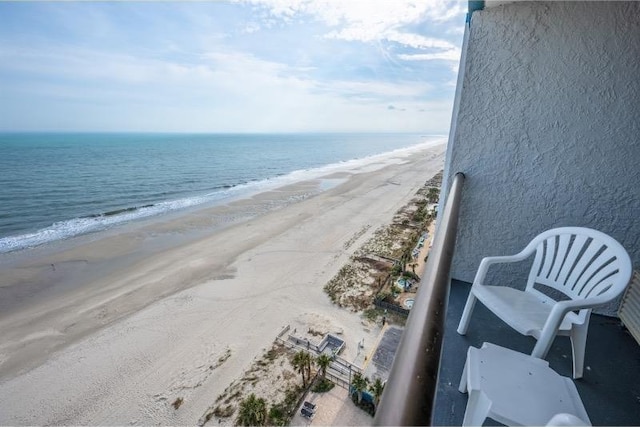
(55, 186)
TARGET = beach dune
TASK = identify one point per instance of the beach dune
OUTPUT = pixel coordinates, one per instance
(134, 320)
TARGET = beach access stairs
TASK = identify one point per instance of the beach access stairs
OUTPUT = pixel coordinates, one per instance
(340, 371)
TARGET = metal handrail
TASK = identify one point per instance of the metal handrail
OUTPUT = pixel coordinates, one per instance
(409, 395)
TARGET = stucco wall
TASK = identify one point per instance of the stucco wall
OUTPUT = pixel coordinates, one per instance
(547, 128)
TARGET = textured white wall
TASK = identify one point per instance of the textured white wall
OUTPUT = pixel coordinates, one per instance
(547, 127)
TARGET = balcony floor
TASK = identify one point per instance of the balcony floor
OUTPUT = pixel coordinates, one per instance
(610, 387)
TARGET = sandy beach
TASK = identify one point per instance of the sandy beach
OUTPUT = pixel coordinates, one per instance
(111, 330)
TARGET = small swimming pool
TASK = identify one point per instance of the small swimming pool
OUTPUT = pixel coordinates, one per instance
(408, 303)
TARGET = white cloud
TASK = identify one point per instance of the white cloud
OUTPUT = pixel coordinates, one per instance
(230, 86)
(367, 20)
(442, 11)
(418, 41)
(378, 20)
(370, 13)
(448, 55)
(251, 27)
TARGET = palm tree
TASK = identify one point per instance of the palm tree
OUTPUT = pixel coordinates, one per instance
(413, 266)
(308, 360)
(404, 259)
(299, 362)
(359, 384)
(376, 389)
(253, 411)
(323, 361)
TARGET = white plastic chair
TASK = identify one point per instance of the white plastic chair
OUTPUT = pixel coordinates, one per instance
(589, 267)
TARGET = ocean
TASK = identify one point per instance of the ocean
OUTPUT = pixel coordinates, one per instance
(54, 186)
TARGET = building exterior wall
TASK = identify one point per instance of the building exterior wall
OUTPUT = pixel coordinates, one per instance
(547, 128)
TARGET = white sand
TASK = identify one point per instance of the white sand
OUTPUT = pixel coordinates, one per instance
(122, 347)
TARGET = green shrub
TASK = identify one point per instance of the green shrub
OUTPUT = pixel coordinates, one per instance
(278, 416)
(385, 296)
(396, 270)
(410, 275)
(372, 314)
(292, 395)
(322, 386)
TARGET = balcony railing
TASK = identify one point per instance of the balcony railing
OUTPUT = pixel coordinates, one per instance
(409, 394)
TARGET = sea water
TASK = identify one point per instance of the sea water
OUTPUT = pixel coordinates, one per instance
(59, 185)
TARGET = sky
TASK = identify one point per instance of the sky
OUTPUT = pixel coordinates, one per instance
(230, 66)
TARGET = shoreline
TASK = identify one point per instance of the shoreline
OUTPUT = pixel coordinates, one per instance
(100, 222)
(110, 351)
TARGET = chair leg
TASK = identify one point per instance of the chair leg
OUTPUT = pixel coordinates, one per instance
(477, 409)
(462, 388)
(578, 346)
(466, 314)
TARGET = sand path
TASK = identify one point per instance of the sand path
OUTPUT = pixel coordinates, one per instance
(121, 349)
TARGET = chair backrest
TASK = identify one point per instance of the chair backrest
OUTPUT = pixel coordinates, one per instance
(579, 262)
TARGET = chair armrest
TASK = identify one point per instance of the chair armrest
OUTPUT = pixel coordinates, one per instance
(488, 261)
(558, 312)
